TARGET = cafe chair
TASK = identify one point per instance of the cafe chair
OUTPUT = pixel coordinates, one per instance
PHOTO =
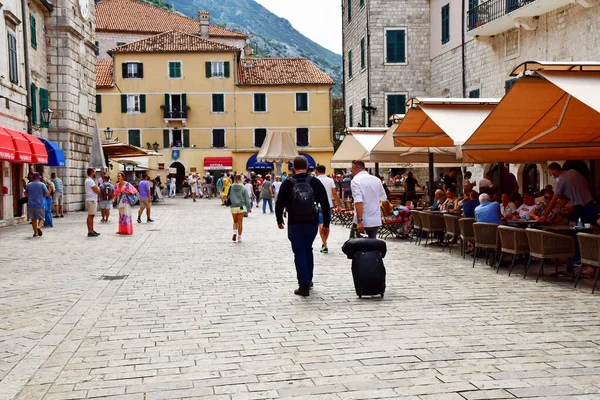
(452, 231)
(589, 246)
(486, 238)
(391, 224)
(432, 224)
(512, 241)
(416, 229)
(546, 245)
(465, 229)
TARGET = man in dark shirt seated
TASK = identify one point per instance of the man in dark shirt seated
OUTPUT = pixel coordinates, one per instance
(299, 195)
(470, 205)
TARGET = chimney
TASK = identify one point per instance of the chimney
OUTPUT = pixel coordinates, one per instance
(248, 50)
(204, 18)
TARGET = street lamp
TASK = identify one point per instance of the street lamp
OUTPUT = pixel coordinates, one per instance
(395, 118)
(108, 134)
(339, 136)
(47, 116)
(155, 145)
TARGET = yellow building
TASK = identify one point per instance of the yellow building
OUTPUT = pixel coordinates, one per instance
(206, 107)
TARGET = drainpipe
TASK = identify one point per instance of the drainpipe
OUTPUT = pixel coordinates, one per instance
(344, 67)
(464, 75)
(27, 69)
(369, 62)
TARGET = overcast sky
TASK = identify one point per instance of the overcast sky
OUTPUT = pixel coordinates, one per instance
(319, 20)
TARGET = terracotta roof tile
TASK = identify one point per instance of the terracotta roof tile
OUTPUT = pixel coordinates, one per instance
(281, 71)
(104, 75)
(172, 42)
(134, 16)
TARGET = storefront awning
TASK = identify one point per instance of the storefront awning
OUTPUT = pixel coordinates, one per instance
(56, 157)
(547, 115)
(311, 162)
(253, 163)
(218, 163)
(21, 145)
(38, 150)
(7, 148)
(119, 150)
(441, 122)
(356, 146)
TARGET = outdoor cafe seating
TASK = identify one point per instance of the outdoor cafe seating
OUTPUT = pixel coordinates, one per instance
(512, 241)
(545, 245)
(589, 246)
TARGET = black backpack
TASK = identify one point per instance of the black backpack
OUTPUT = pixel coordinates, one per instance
(302, 207)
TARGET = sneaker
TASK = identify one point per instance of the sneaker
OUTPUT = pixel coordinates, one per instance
(234, 237)
(324, 250)
(239, 239)
(149, 220)
(139, 220)
(303, 291)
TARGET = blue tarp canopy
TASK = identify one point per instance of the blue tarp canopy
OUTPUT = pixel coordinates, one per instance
(253, 163)
(56, 157)
(311, 162)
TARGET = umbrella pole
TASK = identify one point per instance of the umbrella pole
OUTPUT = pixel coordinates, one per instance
(278, 166)
(431, 183)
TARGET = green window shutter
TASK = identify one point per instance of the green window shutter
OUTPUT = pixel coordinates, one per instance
(474, 94)
(396, 104)
(166, 140)
(446, 23)
(171, 70)
(33, 31)
(124, 103)
(363, 112)
(226, 69)
(208, 67)
(142, 103)
(33, 104)
(351, 116)
(124, 69)
(13, 68)
(350, 64)
(362, 3)
(186, 138)
(140, 70)
(218, 101)
(98, 103)
(184, 103)
(134, 137)
(349, 11)
(44, 104)
(362, 53)
(167, 102)
(395, 46)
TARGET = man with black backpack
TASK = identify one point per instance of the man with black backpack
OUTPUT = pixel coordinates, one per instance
(107, 194)
(300, 195)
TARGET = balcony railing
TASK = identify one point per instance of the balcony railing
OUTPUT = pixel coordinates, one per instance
(492, 10)
(175, 114)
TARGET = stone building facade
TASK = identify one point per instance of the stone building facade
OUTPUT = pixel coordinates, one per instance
(379, 81)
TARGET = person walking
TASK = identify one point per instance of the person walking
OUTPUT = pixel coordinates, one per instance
(250, 190)
(194, 186)
(145, 199)
(36, 193)
(332, 194)
(227, 181)
(48, 221)
(299, 195)
(276, 186)
(239, 205)
(172, 187)
(368, 192)
(58, 195)
(124, 199)
(91, 201)
(219, 187)
(107, 194)
(266, 194)
(208, 181)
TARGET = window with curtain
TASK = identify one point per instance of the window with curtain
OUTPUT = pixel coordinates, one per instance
(395, 45)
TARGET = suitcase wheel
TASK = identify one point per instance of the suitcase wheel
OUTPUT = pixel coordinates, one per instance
(381, 294)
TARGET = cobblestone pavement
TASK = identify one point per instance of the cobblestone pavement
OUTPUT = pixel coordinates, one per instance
(200, 317)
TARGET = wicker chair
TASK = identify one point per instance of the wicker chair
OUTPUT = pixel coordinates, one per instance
(465, 227)
(589, 245)
(416, 225)
(544, 245)
(486, 238)
(452, 233)
(513, 241)
(432, 224)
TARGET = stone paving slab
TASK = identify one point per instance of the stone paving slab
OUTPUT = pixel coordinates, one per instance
(200, 317)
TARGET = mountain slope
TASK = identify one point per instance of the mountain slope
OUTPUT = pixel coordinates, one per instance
(270, 35)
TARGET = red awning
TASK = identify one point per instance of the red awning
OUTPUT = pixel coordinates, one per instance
(218, 163)
(21, 146)
(38, 150)
(7, 148)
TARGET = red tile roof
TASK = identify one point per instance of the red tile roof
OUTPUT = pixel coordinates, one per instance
(281, 71)
(134, 16)
(172, 42)
(104, 75)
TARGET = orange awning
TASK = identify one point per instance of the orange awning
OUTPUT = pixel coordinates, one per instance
(549, 114)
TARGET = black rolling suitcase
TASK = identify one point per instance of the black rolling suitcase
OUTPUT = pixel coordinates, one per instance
(368, 270)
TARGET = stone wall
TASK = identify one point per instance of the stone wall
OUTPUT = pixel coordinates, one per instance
(411, 78)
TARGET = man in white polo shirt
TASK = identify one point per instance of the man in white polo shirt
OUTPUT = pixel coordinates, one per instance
(368, 192)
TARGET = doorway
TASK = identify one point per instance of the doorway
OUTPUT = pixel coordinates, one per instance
(180, 175)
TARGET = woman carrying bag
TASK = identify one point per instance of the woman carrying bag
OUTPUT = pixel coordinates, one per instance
(239, 203)
(125, 198)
